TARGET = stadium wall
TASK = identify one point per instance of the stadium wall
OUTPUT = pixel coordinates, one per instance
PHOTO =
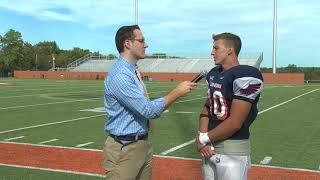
(269, 78)
(283, 78)
(59, 75)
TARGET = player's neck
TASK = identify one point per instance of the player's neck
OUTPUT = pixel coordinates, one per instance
(229, 64)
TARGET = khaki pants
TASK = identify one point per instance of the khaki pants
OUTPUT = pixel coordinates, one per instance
(132, 162)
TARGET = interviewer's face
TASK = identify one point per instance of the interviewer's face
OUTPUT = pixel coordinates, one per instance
(138, 45)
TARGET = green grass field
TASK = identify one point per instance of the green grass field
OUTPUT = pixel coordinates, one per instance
(287, 128)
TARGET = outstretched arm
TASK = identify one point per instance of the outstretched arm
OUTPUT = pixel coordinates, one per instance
(181, 90)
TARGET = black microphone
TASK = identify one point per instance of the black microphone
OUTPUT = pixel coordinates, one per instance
(199, 77)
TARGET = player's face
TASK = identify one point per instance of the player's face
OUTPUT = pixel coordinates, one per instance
(138, 45)
(219, 52)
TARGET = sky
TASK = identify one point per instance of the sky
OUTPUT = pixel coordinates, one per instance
(183, 27)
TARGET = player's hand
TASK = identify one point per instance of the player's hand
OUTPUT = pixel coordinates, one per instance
(207, 151)
(204, 150)
(185, 87)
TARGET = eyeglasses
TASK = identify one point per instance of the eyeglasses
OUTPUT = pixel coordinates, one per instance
(142, 41)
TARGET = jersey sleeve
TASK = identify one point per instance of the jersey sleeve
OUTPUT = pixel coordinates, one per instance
(248, 87)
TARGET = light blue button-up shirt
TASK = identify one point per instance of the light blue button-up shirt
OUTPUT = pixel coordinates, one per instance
(128, 109)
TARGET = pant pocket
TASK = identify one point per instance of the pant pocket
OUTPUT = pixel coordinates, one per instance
(111, 152)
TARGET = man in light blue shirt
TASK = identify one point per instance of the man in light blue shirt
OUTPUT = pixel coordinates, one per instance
(127, 152)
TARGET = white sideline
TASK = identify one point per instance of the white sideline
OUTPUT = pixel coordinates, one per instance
(160, 156)
(52, 170)
(47, 124)
(50, 146)
(268, 109)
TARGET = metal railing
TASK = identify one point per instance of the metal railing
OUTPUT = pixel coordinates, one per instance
(79, 61)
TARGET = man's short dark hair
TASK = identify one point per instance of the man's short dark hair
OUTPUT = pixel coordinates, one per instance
(230, 40)
(124, 33)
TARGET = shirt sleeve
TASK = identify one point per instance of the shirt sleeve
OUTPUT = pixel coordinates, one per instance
(131, 96)
(247, 88)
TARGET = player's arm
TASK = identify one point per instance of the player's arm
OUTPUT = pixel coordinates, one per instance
(204, 118)
(205, 150)
(239, 112)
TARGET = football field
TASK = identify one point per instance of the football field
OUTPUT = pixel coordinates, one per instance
(70, 113)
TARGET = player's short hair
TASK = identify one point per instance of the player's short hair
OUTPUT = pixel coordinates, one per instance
(230, 40)
(124, 33)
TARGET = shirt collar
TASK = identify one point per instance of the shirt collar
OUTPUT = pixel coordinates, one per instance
(132, 67)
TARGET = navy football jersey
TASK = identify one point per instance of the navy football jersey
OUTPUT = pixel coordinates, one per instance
(239, 82)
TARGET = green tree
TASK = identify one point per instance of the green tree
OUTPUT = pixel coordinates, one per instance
(111, 56)
(71, 55)
(45, 51)
(11, 51)
(29, 60)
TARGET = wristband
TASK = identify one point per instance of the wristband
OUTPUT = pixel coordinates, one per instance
(203, 115)
(204, 138)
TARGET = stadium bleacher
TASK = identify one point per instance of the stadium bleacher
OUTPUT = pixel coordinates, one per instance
(176, 65)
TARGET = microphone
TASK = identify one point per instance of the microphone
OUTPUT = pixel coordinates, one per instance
(199, 77)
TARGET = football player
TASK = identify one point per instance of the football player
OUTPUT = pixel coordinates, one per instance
(233, 95)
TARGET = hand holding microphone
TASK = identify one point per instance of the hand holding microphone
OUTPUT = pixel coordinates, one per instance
(185, 87)
(201, 75)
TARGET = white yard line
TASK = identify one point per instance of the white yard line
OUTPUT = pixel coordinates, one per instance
(185, 112)
(9, 139)
(51, 140)
(177, 147)
(5, 97)
(263, 111)
(47, 94)
(153, 92)
(72, 92)
(266, 160)
(191, 99)
(42, 104)
(285, 102)
(48, 124)
(98, 109)
(42, 88)
(84, 144)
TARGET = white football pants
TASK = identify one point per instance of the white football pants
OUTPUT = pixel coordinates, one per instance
(225, 167)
